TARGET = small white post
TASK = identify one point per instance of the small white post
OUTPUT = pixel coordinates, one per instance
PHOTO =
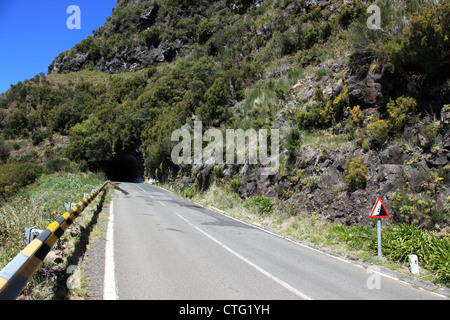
(414, 263)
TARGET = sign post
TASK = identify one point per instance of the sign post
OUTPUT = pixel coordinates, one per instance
(379, 212)
(379, 237)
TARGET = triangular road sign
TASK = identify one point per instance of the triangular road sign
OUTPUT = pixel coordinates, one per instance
(379, 210)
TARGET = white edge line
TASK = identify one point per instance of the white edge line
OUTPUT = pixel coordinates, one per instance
(266, 273)
(141, 189)
(109, 285)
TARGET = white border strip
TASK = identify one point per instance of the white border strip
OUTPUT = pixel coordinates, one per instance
(109, 286)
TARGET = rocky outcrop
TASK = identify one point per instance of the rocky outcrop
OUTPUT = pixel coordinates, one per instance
(128, 60)
(365, 88)
(136, 58)
(128, 55)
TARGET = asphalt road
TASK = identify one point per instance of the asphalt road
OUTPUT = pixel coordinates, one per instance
(160, 246)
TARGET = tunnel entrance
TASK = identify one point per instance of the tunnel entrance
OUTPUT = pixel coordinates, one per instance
(125, 168)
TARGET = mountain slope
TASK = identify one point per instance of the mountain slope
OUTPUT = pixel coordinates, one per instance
(362, 113)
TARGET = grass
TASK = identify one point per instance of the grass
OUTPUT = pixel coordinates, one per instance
(327, 141)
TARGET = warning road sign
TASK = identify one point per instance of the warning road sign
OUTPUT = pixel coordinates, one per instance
(379, 210)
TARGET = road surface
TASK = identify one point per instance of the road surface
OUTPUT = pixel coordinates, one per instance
(160, 246)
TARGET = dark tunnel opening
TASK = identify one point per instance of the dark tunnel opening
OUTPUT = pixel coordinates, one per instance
(125, 168)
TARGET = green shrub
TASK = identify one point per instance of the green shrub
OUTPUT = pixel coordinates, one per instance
(323, 113)
(311, 181)
(340, 103)
(355, 120)
(190, 192)
(16, 123)
(292, 143)
(378, 130)
(438, 259)
(152, 36)
(356, 173)
(40, 135)
(427, 41)
(235, 184)
(14, 176)
(429, 133)
(412, 209)
(4, 151)
(217, 174)
(320, 114)
(400, 111)
(345, 17)
(204, 31)
(261, 203)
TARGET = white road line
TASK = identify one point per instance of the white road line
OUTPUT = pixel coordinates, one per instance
(109, 286)
(163, 203)
(141, 189)
(266, 273)
(146, 192)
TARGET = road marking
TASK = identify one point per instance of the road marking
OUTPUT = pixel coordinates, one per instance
(266, 273)
(163, 203)
(146, 192)
(109, 286)
(141, 189)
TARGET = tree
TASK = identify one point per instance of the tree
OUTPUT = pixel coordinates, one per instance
(204, 31)
(215, 110)
(89, 143)
(16, 123)
(293, 143)
(98, 151)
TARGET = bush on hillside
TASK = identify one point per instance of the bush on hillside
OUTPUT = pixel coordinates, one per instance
(190, 193)
(261, 203)
(356, 173)
(14, 176)
(400, 111)
(378, 130)
(355, 121)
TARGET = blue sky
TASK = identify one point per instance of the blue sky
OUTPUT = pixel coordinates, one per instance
(34, 32)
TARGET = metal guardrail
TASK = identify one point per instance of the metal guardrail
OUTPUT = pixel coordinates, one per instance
(15, 275)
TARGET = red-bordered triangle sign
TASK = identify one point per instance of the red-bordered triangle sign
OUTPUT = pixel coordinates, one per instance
(379, 210)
